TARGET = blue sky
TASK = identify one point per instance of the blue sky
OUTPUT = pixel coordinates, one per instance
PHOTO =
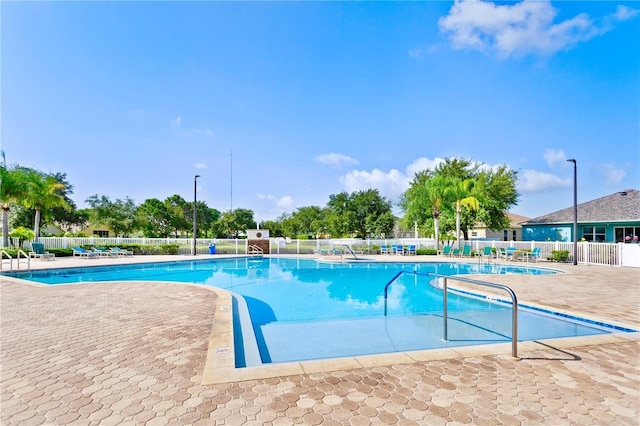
(277, 105)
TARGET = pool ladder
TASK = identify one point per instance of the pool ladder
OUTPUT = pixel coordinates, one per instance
(512, 294)
(4, 253)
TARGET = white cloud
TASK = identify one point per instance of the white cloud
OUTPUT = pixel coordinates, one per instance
(177, 124)
(417, 52)
(200, 166)
(421, 164)
(204, 132)
(284, 203)
(612, 175)
(553, 156)
(392, 183)
(623, 13)
(335, 160)
(536, 181)
(521, 29)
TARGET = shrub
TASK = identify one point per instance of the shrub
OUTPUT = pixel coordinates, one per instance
(169, 248)
(559, 255)
(428, 252)
(22, 234)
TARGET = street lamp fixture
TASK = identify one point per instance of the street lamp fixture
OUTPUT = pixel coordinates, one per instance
(195, 189)
(575, 210)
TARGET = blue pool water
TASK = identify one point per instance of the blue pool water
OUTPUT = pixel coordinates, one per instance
(304, 309)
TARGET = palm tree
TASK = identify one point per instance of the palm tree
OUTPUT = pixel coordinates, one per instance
(436, 195)
(43, 192)
(12, 189)
(462, 191)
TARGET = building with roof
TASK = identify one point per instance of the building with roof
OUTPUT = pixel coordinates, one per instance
(513, 233)
(612, 218)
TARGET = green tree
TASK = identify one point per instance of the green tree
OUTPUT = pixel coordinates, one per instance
(371, 213)
(425, 200)
(496, 189)
(43, 192)
(180, 214)
(233, 223)
(12, 189)
(206, 219)
(66, 218)
(274, 227)
(119, 215)
(339, 217)
(154, 218)
(455, 184)
(308, 220)
(361, 214)
(463, 193)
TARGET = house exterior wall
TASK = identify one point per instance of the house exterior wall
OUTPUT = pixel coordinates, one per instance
(512, 234)
(590, 231)
(100, 230)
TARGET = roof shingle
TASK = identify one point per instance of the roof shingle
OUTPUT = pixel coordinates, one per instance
(619, 206)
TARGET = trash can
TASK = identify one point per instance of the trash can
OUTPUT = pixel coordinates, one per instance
(212, 249)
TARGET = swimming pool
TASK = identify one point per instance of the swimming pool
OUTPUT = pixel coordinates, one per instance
(298, 309)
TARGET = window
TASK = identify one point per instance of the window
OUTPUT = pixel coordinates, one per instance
(514, 236)
(594, 233)
(474, 233)
(627, 234)
(101, 234)
(505, 235)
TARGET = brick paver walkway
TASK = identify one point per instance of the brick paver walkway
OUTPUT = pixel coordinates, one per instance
(134, 353)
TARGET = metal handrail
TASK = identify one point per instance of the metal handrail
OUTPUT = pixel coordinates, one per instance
(26, 257)
(253, 249)
(514, 301)
(351, 251)
(2, 253)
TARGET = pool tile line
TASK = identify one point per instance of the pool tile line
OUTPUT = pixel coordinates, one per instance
(604, 323)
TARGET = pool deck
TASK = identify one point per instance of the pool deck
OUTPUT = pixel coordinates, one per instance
(158, 353)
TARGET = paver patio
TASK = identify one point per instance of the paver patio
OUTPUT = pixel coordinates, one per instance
(135, 353)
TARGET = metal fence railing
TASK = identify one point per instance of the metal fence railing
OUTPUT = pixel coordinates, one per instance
(614, 254)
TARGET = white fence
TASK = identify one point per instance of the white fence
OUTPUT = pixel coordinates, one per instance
(588, 253)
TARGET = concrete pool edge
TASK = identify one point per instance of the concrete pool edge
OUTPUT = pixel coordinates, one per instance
(220, 361)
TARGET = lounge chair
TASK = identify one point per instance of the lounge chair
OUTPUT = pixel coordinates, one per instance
(446, 251)
(79, 251)
(534, 254)
(394, 248)
(384, 249)
(103, 252)
(121, 252)
(411, 250)
(455, 252)
(38, 252)
(501, 253)
(466, 251)
(486, 253)
(320, 251)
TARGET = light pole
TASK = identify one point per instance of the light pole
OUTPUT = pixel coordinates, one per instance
(575, 210)
(195, 189)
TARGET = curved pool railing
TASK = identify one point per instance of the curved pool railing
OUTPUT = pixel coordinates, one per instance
(512, 294)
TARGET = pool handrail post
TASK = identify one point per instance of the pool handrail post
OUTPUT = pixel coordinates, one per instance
(444, 311)
(514, 307)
